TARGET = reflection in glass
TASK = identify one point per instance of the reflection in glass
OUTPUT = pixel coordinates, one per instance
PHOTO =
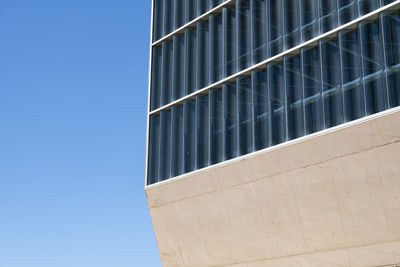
(202, 139)
(189, 122)
(277, 104)
(331, 81)
(216, 134)
(372, 61)
(177, 141)
(312, 90)
(245, 104)
(294, 94)
(351, 75)
(391, 26)
(230, 121)
(260, 91)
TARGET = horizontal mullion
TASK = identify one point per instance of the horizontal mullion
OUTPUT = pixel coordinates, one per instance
(279, 57)
(191, 24)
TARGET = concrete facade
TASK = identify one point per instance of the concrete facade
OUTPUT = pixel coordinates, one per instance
(327, 199)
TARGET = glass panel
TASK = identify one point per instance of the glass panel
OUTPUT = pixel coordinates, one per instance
(168, 16)
(351, 75)
(216, 126)
(372, 60)
(277, 104)
(202, 131)
(391, 26)
(191, 10)
(244, 33)
(292, 23)
(202, 7)
(348, 10)
(259, 29)
(245, 102)
(260, 90)
(294, 94)
(230, 121)
(179, 13)
(385, 2)
(166, 82)
(202, 55)
(215, 48)
(189, 124)
(214, 3)
(275, 27)
(331, 83)
(229, 22)
(156, 77)
(157, 19)
(154, 149)
(309, 19)
(177, 141)
(190, 61)
(312, 90)
(165, 146)
(329, 18)
(367, 6)
(178, 71)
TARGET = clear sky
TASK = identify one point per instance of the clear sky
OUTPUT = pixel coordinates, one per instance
(73, 96)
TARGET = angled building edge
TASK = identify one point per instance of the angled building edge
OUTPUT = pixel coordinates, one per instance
(329, 199)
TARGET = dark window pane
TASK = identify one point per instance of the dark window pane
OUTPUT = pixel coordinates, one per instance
(165, 146)
(309, 19)
(331, 83)
(191, 10)
(245, 115)
(215, 48)
(367, 6)
(277, 104)
(351, 69)
(392, 51)
(372, 59)
(154, 150)
(230, 120)
(348, 10)
(294, 93)
(216, 126)
(178, 65)
(229, 17)
(189, 124)
(177, 141)
(179, 13)
(190, 60)
(260, 90)
(244, 33)
(158, 19)
(202, 131)
(166, 82)
(156, 77)
(202, 55)
(292, 23)
(168, 16)
(275, 27)
(312, 90)
(259, 17)
(329, 18)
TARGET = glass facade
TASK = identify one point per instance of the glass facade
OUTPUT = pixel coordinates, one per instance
(353, 72)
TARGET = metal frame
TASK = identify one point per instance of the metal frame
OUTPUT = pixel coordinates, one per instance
(247, 72)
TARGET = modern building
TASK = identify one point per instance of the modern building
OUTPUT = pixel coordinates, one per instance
(273, 134)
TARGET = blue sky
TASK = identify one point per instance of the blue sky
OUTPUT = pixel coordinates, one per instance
(73, 96)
